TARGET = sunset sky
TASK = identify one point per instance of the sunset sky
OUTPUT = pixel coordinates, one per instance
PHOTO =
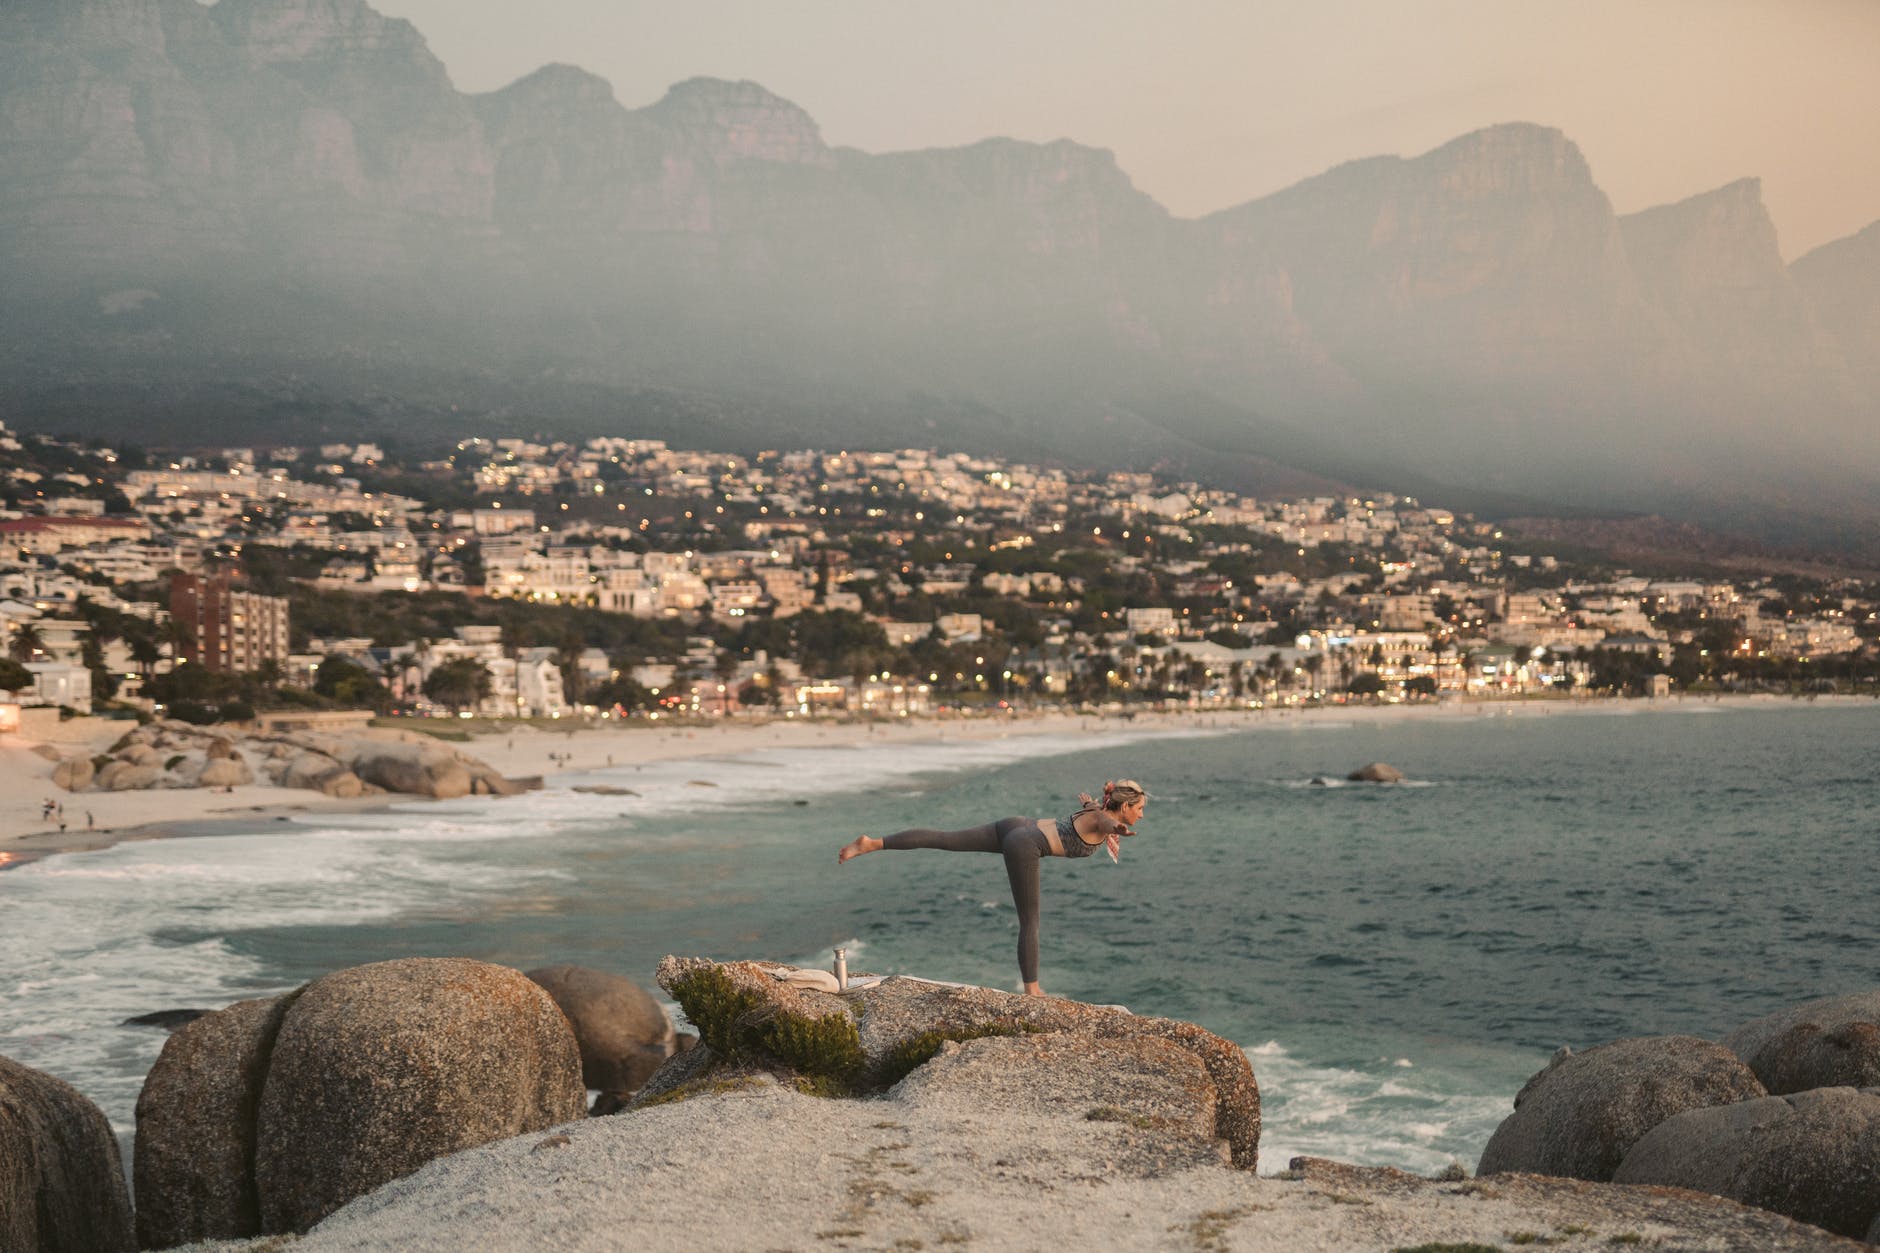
(1208, 103)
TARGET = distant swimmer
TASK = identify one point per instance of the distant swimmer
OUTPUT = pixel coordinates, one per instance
(1024, 842)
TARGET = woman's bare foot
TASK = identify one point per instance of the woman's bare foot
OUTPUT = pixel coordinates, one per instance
(1032, 989)
(856, 847)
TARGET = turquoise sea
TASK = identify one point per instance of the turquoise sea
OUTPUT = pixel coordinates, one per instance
(1396, 960)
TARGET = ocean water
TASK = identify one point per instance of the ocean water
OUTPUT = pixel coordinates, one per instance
(1395, 960)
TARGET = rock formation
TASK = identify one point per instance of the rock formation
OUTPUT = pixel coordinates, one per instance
(1814, 1156)
(378, 1069)
(1682, 1112)
(266, 1116)
(74, 774)
(173, 754)
(874, 1037)
(195, 1148)
(994, 1144)
(1376, 772)
(623, 1034)
(1580, 1116)
(61, 1180)
(1834, 1042)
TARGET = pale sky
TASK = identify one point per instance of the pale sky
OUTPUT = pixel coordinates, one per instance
(1210, 103)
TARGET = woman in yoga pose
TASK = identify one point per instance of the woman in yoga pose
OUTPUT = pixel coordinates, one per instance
(1023, 842)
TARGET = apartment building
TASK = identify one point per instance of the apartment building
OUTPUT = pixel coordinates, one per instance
(224, 629)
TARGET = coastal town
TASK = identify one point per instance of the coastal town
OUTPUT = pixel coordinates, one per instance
(542, 578)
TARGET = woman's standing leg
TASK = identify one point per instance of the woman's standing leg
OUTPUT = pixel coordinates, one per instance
(1024, 846)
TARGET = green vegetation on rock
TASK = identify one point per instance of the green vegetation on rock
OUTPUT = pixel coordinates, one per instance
(737, 1026)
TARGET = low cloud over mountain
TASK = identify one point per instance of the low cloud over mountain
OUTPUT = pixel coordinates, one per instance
(327, 222)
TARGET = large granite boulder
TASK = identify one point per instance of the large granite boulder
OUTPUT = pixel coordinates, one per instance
(623, 1033)
(125, 776)
(195, 1152)
(225, 772)
(306, 769)
(1376, 772)
(74, 774)
(1833, 1042)
(378, 1069)
(320, 773)
(61, 1179)
(752, 1014)
(142, 755)
(1159, 1094)
(1582, 1114)
(414, 769)
(1812, 1156)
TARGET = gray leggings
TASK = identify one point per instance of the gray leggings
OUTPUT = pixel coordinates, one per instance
(1022, 843)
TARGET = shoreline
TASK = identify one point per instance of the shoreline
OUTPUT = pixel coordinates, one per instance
(527, 749)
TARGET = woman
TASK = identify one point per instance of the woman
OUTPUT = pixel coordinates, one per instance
(1023, 841)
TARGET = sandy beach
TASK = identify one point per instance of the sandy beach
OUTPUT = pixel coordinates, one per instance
(94, 819)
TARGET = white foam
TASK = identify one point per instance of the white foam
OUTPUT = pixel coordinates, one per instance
(1371, 1116)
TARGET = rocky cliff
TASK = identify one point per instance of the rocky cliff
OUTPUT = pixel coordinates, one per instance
(310, 196)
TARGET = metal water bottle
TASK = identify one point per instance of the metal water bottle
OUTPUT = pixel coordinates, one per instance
(842, 968)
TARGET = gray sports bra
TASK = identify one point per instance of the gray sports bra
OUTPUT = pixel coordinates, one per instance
(1074, 844)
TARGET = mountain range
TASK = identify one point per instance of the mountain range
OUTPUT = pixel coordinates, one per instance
(264, 218)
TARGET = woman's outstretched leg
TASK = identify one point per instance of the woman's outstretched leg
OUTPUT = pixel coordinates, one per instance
(980, 839)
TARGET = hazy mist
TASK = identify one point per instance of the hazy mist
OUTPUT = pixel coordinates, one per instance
(271, 218)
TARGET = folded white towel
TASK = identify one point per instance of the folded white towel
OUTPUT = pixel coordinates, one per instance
(819, 980)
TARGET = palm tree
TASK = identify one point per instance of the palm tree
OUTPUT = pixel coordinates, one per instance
(398, 669)
(568, 659)
(28, 642)
(145, 653)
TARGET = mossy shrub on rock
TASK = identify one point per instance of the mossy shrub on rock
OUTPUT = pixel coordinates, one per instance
(739, 1024)
(718, 1007)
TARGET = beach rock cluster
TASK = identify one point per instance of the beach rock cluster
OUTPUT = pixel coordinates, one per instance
(173, 754)
(1783, 1114)
(1193, 1087)
(269, 1115)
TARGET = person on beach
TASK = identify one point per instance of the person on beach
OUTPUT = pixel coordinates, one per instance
(1024, 842)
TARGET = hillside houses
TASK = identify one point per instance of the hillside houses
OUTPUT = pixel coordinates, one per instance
(953, 577)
